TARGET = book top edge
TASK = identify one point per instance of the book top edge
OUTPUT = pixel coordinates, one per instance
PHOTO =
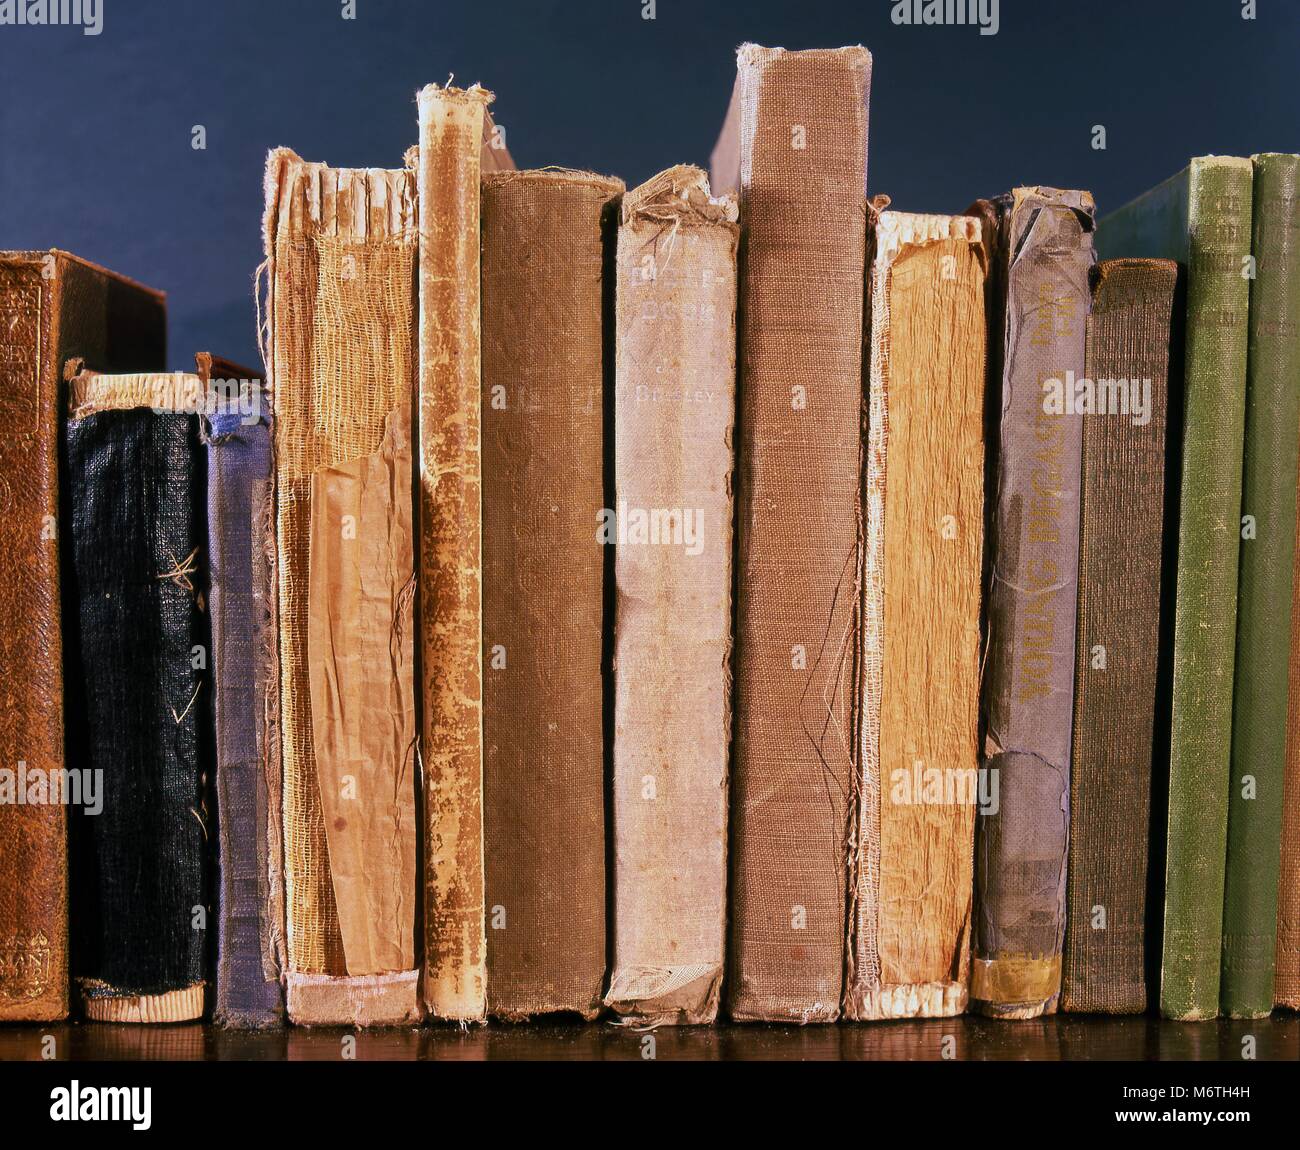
(1197, 163)
(448, 94)
(1078, 198)
(924, 228)
(756, 54)
(680, 194)
(350, 204)
(1212, 161)
(22, 256)
(897, 230)
(1109, 267)
(569, 177)
(291, 159)
(165, 392)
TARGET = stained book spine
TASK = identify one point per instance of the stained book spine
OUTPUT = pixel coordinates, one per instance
(674, 406)
(544, 291)
(1201, 217)
(1044, 254)
(1268, 530)
(802, 198)
(237, 434)
(1286, 981)
(136, 580)
(33, 837)
(909, 946)
(1120, 549)
(341, 251)
(450, 545)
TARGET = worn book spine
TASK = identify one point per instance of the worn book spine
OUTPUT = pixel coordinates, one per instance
(910, 911)
(1264, 597)
(341, 253)
(1121, 524)
(674, 408)
(544, 298)
(803, 152)
(1044, 252)
(1202, 218)
(450, 546)
(135, 580)
(237, 434)
(33, 837)
(1286, 979)
(52, 306)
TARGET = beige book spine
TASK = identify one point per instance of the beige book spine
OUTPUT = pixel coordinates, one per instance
(674, 410)
(450, 542)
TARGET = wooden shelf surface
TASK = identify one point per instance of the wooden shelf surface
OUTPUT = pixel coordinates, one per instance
(1058, 1038)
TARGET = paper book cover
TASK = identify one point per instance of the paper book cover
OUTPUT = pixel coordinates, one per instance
(917, 789)
(1041, 243)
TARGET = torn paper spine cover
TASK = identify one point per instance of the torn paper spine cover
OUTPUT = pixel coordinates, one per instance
(450, 550)
(910, 921)
(138, 705)
(341, 251)
(674, 409)
(52, 306)
(544, 367)
(803, 160)
(1041, 241)
(238, 439)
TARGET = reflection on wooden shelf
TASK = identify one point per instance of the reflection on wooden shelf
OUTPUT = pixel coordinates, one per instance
(1060, 1038)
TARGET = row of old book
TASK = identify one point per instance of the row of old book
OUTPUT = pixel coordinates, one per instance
(433, 669)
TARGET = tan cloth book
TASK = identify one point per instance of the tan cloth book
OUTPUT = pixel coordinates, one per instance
(674, 409)
(803, 158)
(544, 367)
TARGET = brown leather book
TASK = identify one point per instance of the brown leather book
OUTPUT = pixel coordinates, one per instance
(341, 253)
(450, 545)
(674, 409)
(803, 159)
(1121, 521)
(544, 294)
(53, 306)
(910, 922)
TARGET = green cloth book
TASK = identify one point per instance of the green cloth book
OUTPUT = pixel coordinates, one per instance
(1268, 510)
(1200, 217)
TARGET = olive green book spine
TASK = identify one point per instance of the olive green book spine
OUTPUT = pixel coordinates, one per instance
(1201, 217)
(1268, 511)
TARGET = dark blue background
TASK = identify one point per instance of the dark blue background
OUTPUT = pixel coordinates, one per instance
(95, 132)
